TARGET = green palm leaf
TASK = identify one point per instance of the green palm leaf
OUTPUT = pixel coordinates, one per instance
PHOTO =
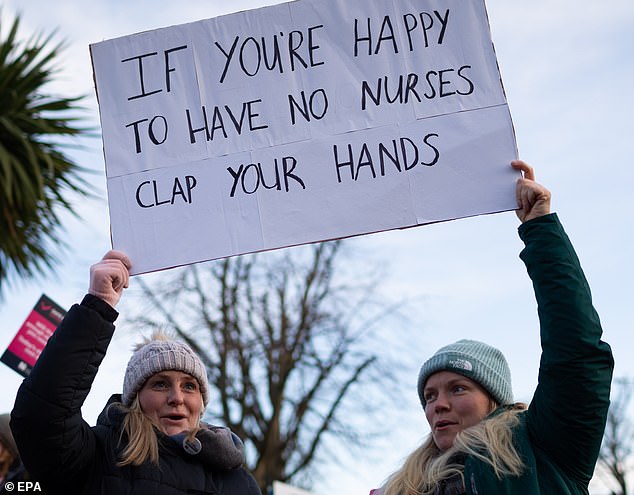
(36, 176)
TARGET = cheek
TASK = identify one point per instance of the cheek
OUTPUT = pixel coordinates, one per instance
(195, 405)
(473, 412)
(149, 402)
(428, 414)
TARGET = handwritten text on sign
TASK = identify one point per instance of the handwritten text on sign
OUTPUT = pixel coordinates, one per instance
(300, 122)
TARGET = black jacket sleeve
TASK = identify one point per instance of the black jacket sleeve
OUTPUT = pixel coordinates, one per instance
(56, 445)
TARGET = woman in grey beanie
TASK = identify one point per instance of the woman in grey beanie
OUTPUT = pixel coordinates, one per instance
(481, 442)
(148, 440)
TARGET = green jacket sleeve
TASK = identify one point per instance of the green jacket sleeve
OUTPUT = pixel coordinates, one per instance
(566, 418)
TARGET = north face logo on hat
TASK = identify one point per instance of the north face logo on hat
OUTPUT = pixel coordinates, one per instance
(461, 364)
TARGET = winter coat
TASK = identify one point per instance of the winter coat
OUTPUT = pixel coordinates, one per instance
(66, 455)
(559, 435)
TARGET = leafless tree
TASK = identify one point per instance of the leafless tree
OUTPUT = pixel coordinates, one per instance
(618, 440)
(286, 344)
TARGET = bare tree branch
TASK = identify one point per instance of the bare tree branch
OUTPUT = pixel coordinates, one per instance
(285, 341)
(618, 439)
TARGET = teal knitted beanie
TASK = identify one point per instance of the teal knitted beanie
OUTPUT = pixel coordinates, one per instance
(478, 361)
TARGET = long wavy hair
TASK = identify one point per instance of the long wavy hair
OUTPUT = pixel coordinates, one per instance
(491, 441)
(138, 433)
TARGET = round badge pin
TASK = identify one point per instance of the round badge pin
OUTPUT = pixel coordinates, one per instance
(192, 447)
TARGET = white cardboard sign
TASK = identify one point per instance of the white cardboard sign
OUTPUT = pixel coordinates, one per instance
(301, 122)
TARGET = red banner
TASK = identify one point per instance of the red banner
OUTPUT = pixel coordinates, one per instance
(32, 336)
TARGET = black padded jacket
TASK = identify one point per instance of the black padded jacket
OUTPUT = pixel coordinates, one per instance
(66, 455)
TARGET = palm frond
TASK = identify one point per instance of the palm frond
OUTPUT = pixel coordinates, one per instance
(36, 175)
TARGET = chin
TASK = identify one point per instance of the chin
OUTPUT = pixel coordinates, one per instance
(174, 429)
(444, 443)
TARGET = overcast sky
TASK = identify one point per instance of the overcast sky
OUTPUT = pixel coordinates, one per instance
(569, 76)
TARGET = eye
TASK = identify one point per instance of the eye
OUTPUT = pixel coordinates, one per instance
(429, 396)
(159, 384)
(191, 386)
(459, 389)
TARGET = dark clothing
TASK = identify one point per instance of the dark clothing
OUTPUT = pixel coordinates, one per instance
(560, 434)
(453, 485)
(67, 455)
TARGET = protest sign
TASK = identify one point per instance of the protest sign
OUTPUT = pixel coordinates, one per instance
(32, 336)
(300, 122)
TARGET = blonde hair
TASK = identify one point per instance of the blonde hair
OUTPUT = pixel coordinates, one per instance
(491, 441)
(142, 442)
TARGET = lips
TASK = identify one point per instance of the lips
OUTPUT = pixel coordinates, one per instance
(443, 424)
(174, 417)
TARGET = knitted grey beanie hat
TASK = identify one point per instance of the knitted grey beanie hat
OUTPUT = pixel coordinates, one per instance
(162, 354)
(478, 361)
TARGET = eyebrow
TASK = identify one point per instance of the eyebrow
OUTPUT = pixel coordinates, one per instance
(451, 382)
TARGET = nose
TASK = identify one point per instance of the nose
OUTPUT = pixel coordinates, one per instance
(441, 403)
(175, 396)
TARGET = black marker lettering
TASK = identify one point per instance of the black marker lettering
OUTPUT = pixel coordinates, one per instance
(140, 58)
(168, 68)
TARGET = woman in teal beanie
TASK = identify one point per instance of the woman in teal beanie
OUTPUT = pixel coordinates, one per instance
(481, 441)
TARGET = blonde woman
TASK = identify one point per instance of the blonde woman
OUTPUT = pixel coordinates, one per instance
(149, 440)
(481, 442)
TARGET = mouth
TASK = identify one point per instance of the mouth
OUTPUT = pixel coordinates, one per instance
(443, 425)
(174, 417)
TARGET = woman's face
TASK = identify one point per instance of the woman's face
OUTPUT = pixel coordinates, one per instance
(172, 400)
(454, 402)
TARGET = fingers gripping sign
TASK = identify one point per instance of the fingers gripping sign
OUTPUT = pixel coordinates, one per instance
(533, 199)
(110, 276)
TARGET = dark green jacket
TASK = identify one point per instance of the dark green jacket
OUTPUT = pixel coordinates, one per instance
(560, 434)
